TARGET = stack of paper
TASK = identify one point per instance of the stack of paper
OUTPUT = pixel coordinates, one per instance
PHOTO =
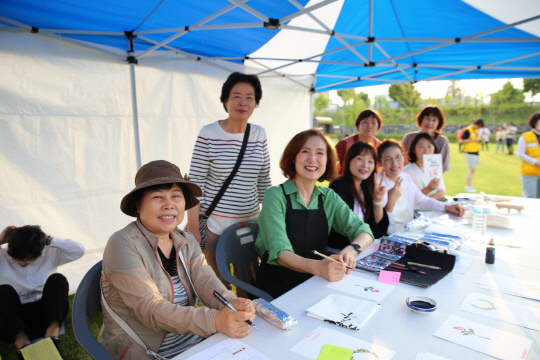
(344, 311)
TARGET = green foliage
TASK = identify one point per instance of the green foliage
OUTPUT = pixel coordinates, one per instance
(532, 86)
(347, 95)
(356, 103)
(405, 94)
(507, 95)
(321, 103)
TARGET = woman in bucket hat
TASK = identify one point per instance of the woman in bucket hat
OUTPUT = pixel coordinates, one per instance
(154, 274)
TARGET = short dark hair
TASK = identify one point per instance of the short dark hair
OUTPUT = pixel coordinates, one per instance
(387, 144)
(534, 119)
(137, 197)
(479, 122)
(26, 242)
(412, 153)
(367, 113)
(295, 145)
(237, 77)
(431, 110)
(368, 186)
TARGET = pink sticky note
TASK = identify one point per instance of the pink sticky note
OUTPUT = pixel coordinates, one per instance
(389, 277)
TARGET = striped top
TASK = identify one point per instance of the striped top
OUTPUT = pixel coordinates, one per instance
(214, 156)
(174, 344)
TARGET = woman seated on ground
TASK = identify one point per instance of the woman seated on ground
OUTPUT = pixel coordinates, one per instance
(297, 216)
(432, 187)
(430, 120)
(33, 297)
(368, 123)
(403, 196)
(358, 188)
(154, 274)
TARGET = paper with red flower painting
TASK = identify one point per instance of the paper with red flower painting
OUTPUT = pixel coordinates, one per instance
(493, 342)
(433, 166)
(364, 288)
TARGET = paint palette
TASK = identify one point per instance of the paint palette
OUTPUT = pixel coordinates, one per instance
(421, 304)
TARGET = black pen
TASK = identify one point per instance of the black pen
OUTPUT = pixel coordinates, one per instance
(230, 306)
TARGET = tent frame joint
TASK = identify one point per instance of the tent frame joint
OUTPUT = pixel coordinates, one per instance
(457, 40)
(370, 39)
(34, 30)
(272, 24)
(132, 60)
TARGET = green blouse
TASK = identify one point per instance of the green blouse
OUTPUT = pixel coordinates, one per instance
(272, 236)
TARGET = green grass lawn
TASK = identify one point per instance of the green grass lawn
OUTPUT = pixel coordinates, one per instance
(497, 173)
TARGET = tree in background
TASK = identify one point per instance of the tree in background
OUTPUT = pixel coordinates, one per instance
(353, 104)
(532, 86)
(507, 95)
(454, 94)
(321, 103)
(405, 94)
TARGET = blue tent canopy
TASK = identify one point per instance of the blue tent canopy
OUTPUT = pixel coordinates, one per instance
(365, 43)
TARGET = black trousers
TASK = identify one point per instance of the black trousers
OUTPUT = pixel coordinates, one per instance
(33, 318)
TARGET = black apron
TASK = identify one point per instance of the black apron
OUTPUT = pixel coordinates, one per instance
(307, 230)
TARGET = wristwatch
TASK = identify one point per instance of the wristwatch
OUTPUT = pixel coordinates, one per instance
(356, 247)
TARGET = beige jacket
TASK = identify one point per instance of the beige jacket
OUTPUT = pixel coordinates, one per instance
(140, 291)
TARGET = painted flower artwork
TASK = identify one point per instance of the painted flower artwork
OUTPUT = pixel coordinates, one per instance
(468, 332)
(371, 288)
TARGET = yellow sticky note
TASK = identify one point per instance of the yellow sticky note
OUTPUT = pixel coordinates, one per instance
(331, 352)
(42, 350)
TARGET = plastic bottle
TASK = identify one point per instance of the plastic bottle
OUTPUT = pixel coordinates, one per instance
(490, 252)
(479, 220)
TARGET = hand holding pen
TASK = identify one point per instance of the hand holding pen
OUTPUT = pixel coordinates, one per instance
(238, 323)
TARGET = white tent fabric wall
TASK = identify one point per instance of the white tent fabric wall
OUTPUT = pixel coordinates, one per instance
(67, 149)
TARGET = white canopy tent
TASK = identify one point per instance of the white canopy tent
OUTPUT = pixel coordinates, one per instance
(67, 150)
(76, 120)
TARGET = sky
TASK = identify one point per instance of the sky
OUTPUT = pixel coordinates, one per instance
(437, 89)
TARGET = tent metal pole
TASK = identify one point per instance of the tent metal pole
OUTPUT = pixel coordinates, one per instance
(135, 115)
(183, 32)
(393, 62)
(305, 10)
(370, 19)
(281, 75)
(250, 10)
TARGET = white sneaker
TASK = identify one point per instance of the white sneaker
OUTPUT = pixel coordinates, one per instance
(470, 189)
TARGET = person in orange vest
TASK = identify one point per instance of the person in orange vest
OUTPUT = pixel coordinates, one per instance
(529, 152)
(471, 146)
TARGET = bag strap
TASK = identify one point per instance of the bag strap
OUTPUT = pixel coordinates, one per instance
(231, 176)
(126, 327)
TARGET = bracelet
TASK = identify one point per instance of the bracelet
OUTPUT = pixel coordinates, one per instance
(377, 203)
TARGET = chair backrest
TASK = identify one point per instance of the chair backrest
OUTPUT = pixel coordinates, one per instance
(239, 250)
(86, 304)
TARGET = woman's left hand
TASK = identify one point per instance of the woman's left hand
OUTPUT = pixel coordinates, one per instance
(455, 209)
(245, 305)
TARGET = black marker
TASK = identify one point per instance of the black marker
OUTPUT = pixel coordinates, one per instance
(229, 305)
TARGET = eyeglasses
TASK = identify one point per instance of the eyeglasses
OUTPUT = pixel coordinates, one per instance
(398, 159)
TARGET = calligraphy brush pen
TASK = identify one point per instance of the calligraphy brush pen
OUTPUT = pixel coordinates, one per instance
(407, 268)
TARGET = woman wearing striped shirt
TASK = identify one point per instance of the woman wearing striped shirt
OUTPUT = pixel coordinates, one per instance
(215, 153)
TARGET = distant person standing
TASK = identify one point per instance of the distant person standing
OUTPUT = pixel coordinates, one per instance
(368, 123)
(471, 141)
(510, 137)
(500, 136)
(485, 133)
(459, 135)
(430, 120)
(528, 150)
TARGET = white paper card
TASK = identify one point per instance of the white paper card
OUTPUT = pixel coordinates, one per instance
(503, 310)
(433, 166)
(311, 346)
(493, 342)
(230, 348)
(357, 286)
(344, 311)
(429, 356)
(510, 285)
